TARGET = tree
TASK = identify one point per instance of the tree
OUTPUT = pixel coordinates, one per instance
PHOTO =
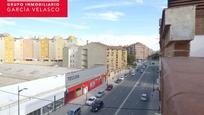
(131, 59)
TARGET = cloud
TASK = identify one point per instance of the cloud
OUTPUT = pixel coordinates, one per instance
(139, 1)
(4, 22)
(58, 22)
(111, 39)
(107, 5)
(114, 4)
(109, 16)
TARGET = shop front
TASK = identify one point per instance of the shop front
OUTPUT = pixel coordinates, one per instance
(82, 82)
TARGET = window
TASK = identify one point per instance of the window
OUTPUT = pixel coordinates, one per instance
(92, 84)
(36, 112)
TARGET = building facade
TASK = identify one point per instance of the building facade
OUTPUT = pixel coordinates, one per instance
(36, 49)
(116, 59)
(1, 48)
(28, 50)
(70, 59)
(44, 49)
(139, 50)
(18, 49)
(91, 55)
(9, 49)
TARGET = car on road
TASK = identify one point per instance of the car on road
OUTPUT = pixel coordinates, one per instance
(76, 110)
(144, 97)
(133, 74)
(96, 106)
(109, 87)
(100, 94)
(121, 78)
(118, 81)
(90, 100)
(142, 70)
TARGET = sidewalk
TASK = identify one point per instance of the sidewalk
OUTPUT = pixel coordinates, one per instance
(82, 99)
(79, 101)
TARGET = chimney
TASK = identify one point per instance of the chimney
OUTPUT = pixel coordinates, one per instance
(87, 42)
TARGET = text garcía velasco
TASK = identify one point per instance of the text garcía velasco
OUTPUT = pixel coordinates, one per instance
(33, 7)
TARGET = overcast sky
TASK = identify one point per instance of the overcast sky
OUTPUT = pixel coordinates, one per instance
(113, 22)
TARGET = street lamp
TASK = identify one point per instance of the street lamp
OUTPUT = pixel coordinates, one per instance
(19, 91)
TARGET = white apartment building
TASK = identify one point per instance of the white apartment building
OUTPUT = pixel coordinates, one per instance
(70, 57)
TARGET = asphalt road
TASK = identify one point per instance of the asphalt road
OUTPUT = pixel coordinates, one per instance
(125, 98)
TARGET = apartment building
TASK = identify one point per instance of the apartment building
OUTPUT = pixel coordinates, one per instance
(70, 58)
(181, 42)
(8, 49)
(56, 45)
(28, 49)
(36, 49)
(139, 50)
(71, 40)
(91, 55)
(44, 49)
(1, 48)
(18, 49)
(182, 28)
(95, 53)
(116, 58)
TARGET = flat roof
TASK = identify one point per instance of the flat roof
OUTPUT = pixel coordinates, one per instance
(17, 73)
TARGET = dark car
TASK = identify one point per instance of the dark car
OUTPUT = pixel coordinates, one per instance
(109, 87)
(118, 81)
(96, 106)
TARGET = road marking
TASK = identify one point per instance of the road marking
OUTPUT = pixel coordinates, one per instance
(136, 84)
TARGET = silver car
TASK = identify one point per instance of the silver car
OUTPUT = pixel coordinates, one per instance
(100, 94)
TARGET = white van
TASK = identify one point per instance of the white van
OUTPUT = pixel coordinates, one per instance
(75, 110)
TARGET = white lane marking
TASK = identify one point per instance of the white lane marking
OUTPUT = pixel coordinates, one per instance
(136, 84)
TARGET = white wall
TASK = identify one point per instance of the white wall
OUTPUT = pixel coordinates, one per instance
(55, 86)
(197, 47)
(1, 48)
(181, 21)
(36, 50)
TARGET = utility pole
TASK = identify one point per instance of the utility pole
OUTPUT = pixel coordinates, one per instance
(19, 91)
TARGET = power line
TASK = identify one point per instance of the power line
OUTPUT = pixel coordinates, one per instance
(105, 107)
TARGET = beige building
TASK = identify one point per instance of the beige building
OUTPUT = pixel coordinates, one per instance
(91, 55)
(28, 50)
(139, 50)
(44, 49)
(116, 58)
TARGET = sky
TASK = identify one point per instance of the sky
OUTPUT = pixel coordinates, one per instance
(113, 22)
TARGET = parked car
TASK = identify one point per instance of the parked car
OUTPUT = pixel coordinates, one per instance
(109, 87)
(142, 70)
(97, 105)
(144, 97)
(133, 74)
(100, 94)
(118, 81)
(121, 78)
(91, 100)
(76, 110)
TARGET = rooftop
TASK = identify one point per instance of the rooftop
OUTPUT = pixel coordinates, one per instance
(17, 73)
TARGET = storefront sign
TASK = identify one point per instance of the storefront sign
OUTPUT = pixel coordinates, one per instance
(70, 78)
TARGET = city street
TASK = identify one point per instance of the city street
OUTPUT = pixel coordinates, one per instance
(125, 98)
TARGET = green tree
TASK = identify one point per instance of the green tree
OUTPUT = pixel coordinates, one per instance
(131, 59)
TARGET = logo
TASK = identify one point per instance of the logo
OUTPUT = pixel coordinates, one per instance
(33, 8)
